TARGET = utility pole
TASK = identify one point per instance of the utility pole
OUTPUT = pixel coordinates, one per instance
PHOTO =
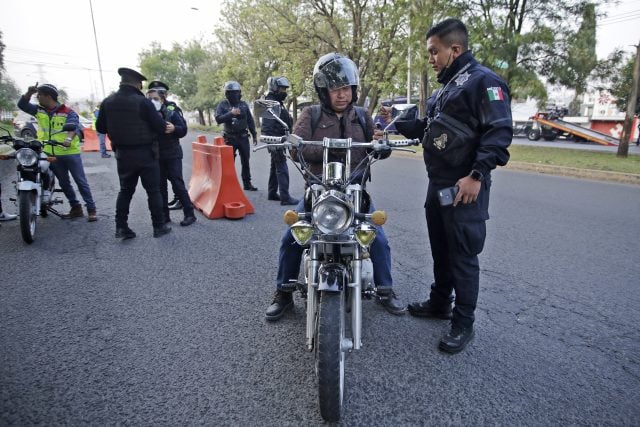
(623, 148)
(409, 65)
(95, 36)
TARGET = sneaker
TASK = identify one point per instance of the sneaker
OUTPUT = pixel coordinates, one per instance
(456, 339)
(273, 196)
(161, 230)
(250, 187)
(75, 212)
(175, 205)
(282, 301)
(188, 220)
(7, 217)
(92, 215)
(427, 309)
(290, 202)
(124, 233)
(388, 299)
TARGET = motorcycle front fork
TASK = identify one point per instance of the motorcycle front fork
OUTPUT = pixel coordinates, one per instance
(355, 297)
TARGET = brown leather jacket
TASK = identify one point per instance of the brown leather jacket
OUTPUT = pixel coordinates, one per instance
(330, 126)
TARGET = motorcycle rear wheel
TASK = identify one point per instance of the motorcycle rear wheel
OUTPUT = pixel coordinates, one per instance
(27, 203)
(331, 357)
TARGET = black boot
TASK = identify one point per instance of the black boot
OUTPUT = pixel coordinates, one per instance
(430, 310)
(388, 299)
(161, 230)
(282, 301)
(174, 206)
(188, 220)
(250, 187)
(456, 339)
(273, 196)
(290, 202)
(124, 233)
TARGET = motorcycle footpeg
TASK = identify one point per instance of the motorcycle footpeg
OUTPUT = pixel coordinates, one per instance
(289, 286)
(13, 199)
(58, 190)
(369, 293)
(57, 201)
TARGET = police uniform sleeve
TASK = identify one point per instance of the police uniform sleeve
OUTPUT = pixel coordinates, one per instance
(101, 121)
(177, 119)
(223, 113)
(496, 126)
(410, 127)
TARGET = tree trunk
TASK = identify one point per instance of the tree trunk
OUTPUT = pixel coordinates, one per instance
(209, 116)
(294, 103)
(623, 148)
(201, 116)
(424, 91)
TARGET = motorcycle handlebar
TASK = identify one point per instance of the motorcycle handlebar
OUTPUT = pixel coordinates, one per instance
(293, 141)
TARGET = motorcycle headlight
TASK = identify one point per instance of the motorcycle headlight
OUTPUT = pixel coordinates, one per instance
(365, 233)
(302, 232)
(26, 157)
(333, 213)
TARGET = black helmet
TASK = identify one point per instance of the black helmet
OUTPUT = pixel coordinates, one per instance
(275, 83)
(232, 85)
(333, 71)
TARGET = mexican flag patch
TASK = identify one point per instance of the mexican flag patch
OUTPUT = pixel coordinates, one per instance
(495, 94)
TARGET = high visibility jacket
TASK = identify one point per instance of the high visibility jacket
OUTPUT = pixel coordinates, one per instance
(50, 122)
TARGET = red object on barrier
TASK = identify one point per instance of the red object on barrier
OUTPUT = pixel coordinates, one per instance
(91, 141)
(214, 187)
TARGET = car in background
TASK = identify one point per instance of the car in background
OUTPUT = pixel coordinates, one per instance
(25, 126)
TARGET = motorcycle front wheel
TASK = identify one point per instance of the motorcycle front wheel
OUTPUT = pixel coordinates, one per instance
(331, 357)
(27, 208)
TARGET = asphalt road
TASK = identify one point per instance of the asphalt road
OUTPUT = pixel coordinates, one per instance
(171, 331)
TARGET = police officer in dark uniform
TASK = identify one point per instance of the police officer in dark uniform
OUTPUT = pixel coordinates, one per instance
(279, 172)
(171, 152)
(133, 125)
(465, 133)
(237, 119)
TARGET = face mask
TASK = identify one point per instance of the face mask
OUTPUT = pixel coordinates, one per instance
(233, 96)
(280, 96)
(157, 104)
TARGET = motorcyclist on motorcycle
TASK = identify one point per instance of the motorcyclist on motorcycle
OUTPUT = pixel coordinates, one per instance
(336, 79)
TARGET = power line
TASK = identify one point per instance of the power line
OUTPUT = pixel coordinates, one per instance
(61, 66)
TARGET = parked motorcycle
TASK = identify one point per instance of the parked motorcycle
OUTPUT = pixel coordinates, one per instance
(337, 231)
(36, 182)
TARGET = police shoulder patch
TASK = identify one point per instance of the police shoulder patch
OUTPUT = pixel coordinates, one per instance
(462, 78)
(495, 94)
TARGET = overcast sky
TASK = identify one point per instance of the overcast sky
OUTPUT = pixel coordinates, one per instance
(59, 35)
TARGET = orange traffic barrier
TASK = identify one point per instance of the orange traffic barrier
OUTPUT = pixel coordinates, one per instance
(91, 141)
(214, 187)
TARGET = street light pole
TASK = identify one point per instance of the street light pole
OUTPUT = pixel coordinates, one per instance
(95, 36)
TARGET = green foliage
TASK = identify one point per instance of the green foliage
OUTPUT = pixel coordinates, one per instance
(180, 68)
(615, 75)
(9, 94)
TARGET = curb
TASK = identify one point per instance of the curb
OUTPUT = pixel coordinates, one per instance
(597, 175)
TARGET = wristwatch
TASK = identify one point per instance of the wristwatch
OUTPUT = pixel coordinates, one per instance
(476, 175)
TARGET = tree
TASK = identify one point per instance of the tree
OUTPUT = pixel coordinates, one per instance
(9, 93)
(178, 68)
(525, 39)
(267, 37)
(573, 67)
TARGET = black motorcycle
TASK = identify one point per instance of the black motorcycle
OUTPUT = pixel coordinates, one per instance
(36, 182)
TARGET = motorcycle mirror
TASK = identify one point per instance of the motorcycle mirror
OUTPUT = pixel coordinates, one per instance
(267, 108)
(407, 111)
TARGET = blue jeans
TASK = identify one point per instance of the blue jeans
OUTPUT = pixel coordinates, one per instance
(72, 163)
(103, 144)
(291, 256)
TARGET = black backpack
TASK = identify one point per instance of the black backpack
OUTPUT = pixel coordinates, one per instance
(361, 113)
